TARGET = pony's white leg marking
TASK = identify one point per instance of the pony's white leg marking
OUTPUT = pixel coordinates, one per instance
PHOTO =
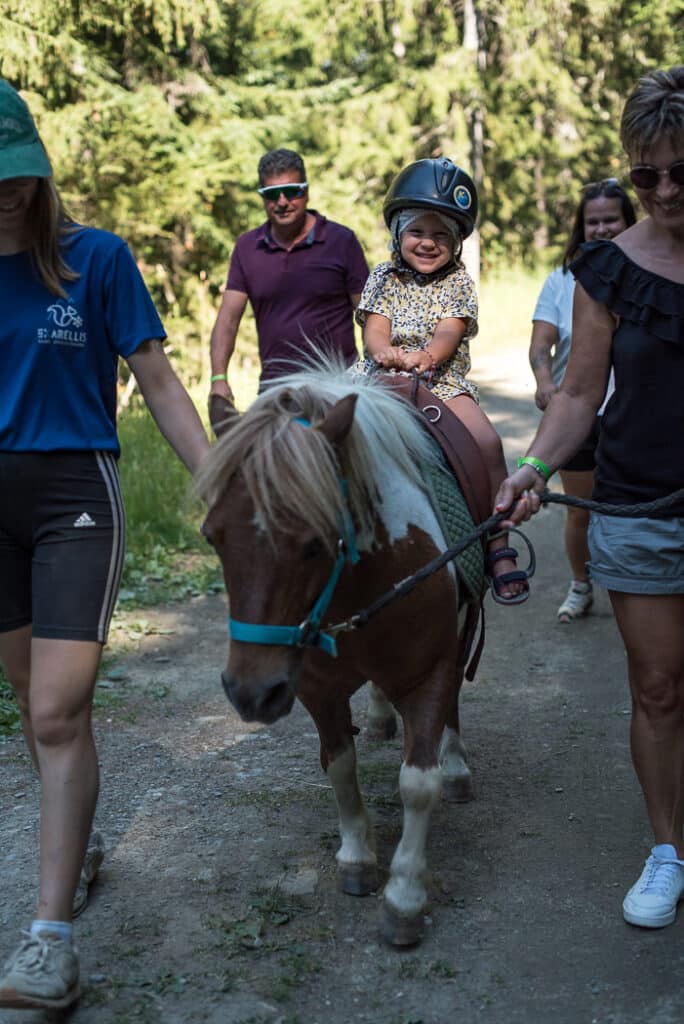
(381, 721)
(458, 780)
(356, 859)
(405, 893)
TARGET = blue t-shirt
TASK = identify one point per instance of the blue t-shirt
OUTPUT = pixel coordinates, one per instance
(60, 356)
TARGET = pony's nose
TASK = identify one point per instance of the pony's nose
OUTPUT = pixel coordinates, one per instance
(265, 701)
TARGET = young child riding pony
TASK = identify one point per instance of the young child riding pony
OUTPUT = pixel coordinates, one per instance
(419, 311)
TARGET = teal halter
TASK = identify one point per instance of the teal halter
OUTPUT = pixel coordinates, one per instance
(308, 633)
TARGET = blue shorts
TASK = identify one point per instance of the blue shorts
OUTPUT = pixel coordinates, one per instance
(637, 556)
(62, 536)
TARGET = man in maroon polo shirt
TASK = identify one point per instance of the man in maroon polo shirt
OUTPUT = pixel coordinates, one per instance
(302, 274)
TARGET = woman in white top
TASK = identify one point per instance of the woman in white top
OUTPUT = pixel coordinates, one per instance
(604, 211)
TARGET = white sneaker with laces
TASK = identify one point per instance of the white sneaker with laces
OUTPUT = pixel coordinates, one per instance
(41, 973)
(652, 900)
(577, 603)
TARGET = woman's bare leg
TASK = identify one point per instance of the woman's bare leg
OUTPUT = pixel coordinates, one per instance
(56, 717)
(652, 628)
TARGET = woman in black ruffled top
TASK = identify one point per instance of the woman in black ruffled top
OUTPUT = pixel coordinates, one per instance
(629, 313)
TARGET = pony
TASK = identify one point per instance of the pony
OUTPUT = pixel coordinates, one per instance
(317, 504)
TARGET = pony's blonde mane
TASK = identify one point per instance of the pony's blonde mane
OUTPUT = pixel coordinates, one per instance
(292, 472)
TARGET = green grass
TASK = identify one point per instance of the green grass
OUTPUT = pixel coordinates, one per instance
(161, 510)
(166, 556)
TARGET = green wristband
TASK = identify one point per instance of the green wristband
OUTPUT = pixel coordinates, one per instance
(541, 467)
(220, 376)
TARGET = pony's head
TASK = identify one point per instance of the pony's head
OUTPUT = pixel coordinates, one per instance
(276, 505)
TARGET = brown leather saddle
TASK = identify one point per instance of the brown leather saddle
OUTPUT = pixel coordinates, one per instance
(466, 461)
(455, 440)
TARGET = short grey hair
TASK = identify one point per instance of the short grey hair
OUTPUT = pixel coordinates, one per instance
(654, 111)
(280, 161)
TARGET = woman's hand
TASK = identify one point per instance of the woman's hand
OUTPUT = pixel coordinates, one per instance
(392, 358)
(543, 395)
(519, 493)
(421, 362)
(222, 388)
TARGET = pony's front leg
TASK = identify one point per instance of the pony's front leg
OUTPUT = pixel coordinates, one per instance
(381, 720)
(405, 895)
(356, 858)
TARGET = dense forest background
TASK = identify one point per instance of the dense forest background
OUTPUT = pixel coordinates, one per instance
(155, 113)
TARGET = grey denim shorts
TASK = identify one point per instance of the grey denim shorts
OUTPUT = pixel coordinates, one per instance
(637, 556)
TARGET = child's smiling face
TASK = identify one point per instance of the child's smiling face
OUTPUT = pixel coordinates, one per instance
(426, 244)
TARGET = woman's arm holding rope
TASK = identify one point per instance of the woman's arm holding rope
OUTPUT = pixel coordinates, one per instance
(571, 412)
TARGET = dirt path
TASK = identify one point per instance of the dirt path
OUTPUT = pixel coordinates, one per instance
(217, 901)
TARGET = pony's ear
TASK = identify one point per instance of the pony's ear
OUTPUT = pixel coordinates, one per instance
(222, 414)
(337, 423)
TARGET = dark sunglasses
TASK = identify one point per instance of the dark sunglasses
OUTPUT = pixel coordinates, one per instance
(272, 193)
(647, 177)
(600, 184)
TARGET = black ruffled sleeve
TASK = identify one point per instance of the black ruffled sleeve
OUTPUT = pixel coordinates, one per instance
(632, 293)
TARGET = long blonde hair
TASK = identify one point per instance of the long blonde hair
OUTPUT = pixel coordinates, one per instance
(50, 222)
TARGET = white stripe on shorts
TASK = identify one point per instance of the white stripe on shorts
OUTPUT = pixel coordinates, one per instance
(110, 475)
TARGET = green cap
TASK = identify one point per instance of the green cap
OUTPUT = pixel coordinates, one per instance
(22, 154)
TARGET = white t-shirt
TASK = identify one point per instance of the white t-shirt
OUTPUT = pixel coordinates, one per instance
(554, 306)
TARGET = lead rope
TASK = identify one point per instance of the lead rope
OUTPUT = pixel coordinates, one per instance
(407, 585)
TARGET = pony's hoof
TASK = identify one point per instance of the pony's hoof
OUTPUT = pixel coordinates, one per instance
(398, 930)
(381, 728)
(458, 790)
(357, 879)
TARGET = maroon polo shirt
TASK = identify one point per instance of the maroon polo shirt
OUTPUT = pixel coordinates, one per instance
(302, 294)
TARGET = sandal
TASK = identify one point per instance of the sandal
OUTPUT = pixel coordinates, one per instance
(498, 583)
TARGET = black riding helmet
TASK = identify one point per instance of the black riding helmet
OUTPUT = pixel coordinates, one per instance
(437, 185)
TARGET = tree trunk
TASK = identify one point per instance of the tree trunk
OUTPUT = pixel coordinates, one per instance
(473, 44)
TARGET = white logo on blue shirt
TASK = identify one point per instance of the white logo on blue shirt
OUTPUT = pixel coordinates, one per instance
(64, 317)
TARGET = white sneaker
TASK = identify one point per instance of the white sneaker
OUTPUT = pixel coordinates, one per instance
(41, 973)
(652, 900)
(579, 600)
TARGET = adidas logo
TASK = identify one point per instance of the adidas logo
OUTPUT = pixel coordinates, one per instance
(84, 520)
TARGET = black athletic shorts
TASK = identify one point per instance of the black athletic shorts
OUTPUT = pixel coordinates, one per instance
(62, 536)
(584, 458)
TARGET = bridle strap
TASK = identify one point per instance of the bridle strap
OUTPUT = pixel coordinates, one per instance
(308, 633)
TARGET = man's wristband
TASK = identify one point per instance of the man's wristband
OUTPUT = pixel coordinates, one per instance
(541, 467)
(219, 376)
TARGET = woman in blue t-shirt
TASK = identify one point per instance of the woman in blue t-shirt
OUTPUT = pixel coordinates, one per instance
(604, 210)
(629, 315)
(72, 302)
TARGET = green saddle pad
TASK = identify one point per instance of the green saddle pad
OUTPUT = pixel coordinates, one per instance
(456, 522)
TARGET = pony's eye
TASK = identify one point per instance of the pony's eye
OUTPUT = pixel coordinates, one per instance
(312, 549)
